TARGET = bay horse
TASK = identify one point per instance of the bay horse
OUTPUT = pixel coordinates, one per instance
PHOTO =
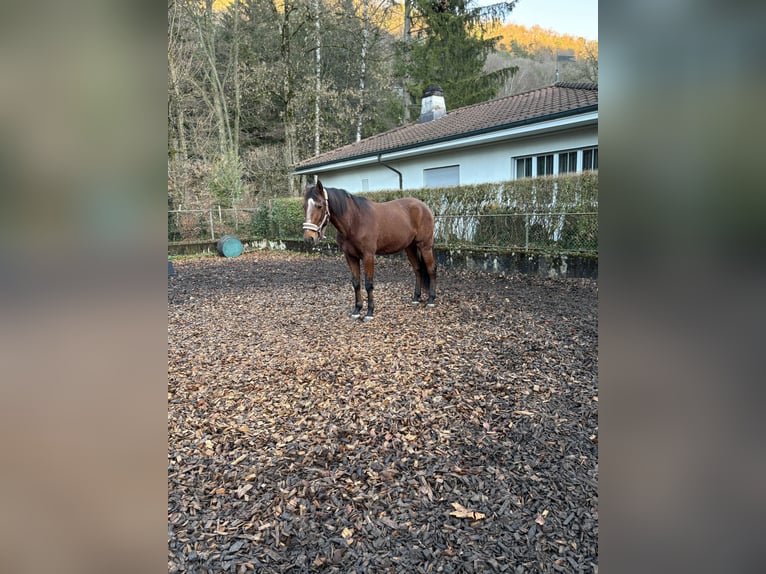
(366, 228)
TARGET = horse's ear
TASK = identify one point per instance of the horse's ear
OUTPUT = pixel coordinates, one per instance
(320, 187)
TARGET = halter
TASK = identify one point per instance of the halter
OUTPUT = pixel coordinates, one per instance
(325, 220)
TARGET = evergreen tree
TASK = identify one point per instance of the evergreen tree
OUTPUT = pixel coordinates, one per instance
(449, 45)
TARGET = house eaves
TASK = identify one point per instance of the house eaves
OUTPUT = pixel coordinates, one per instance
(523, 128)
(562, 106)
(480, 137)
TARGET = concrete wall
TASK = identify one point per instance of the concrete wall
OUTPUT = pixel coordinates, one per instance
(546, 265)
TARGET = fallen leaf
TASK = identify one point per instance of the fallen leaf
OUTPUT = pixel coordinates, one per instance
(242, 490)
(462, 512)
(239, 459)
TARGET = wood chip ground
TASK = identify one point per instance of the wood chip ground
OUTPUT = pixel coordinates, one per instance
(462, 438)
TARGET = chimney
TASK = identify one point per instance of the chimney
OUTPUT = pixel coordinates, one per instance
(432, 105)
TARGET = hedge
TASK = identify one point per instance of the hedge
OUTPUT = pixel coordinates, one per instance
(554, 213)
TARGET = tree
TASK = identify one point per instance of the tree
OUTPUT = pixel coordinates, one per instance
(204, 96)
(254, 86)
(449, 44)
(359, 95)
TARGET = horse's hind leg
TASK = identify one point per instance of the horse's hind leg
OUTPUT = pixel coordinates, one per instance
(369, 276)
(430, 266)
(353, 264)
(412, 255)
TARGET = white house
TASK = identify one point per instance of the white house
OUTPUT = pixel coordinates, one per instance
(546, 131)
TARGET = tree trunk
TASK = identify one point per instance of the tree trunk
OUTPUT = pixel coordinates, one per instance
(288, 115)
(318, 77)
(206, 33)
(237, 88)
(407, 98)
(363, 67)
(177, 109)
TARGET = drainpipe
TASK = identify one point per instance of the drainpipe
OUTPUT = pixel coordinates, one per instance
(399, 173)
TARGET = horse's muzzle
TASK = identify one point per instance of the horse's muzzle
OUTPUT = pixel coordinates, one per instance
(310, 238)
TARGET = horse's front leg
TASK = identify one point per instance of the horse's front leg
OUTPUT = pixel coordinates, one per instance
(369, 276)
(353, 264)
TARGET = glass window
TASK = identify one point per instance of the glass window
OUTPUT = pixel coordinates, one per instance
(590, 159)
(545, 164)
(441, 176)
(523, 167)
(568, 162)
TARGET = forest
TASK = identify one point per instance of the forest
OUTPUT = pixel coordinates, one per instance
(255, 86)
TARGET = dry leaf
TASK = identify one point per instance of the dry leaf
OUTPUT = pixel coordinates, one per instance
(462, 512)
(242, 490)
(239, 459)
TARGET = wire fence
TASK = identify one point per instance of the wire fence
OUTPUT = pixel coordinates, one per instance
(548, 231)
(209, 224)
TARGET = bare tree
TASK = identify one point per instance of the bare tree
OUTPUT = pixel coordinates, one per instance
(363, 66)
(317, 75)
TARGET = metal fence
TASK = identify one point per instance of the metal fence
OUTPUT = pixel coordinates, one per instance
(208, 224)
(553, 231)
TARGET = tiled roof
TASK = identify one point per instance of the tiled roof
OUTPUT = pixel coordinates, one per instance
(562, 98)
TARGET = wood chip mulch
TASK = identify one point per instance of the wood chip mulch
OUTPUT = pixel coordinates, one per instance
(462, 438)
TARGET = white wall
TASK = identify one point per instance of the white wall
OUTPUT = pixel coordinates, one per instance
(478, 164)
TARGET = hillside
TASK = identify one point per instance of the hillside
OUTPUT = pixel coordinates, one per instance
(536, 41)
(533, 50)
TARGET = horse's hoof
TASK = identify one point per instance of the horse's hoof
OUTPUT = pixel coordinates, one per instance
(429, 305)
(354, 315)
(415, 302)
(367, 318)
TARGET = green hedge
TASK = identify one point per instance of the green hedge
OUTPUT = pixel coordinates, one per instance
(280, 218)
(547, 213)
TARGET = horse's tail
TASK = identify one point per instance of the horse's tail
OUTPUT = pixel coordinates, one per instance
(425, 278)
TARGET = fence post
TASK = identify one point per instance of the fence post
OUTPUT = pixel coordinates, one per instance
(212, 231)
(272, 227)
(526, 232)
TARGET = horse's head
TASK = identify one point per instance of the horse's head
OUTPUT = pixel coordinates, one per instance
(316, 206)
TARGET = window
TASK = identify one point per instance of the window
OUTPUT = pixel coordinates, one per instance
(544, 164)
(365, 184)
(568, 162)
(441, 176)
(523, 167)
(590, 159)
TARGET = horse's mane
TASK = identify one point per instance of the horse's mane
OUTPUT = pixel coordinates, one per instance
(339, 200)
